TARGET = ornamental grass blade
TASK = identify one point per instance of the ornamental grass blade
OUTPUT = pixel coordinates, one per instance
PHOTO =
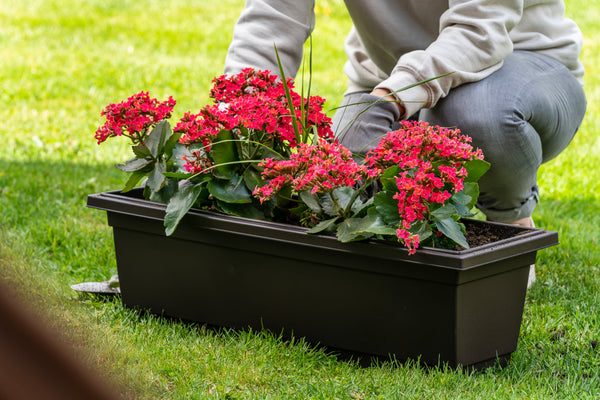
(288, 97)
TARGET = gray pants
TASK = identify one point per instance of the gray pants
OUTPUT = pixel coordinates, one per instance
(521, 116)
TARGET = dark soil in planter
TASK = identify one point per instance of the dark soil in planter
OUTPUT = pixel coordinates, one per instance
(481, 234)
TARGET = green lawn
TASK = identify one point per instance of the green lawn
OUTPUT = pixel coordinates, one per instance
(60, 64)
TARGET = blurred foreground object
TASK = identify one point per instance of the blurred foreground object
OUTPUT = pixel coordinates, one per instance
(34, 364)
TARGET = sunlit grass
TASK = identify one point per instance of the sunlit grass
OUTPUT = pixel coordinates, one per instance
(60, 64)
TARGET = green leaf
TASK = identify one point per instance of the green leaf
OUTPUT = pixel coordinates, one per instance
(178, 152)
(373, 223)
(157, 138)
(422, 229)
(463, 203)
(347, 230)
(447, 211)
(387, 207)
(246, 210)
(156, 179)
(133, 180)
(344, 195)
(171, 142)
(337, 201)
(178, 175)
(452, 230)
(471, 189)
(392, 171)
(283, 196)
(388, 178)
(135, 164)
(311, 201)
(323, 225)
(230, 191)
(329, 204)
(223, 151)
(475, 169)
(141, 151)
(180, 204)
(164, 195)
(462, 210)
(252, 179)
(461, 198)
(358, 207)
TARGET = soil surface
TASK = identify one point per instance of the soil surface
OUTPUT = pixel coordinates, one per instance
(480, 234)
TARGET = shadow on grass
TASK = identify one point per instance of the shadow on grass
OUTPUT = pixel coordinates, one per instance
(43, 213)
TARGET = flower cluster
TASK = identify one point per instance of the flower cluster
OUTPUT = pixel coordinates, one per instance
(252, 101)
(259, 138)
(134, 117)
(201, 128)
(318, 168)
(431, 162)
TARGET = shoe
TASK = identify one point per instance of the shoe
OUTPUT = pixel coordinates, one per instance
(528, 223)
(531, 278)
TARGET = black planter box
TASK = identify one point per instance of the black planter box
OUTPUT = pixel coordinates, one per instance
(460, 307)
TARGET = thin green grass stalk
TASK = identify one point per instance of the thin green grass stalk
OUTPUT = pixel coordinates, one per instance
(289, 98)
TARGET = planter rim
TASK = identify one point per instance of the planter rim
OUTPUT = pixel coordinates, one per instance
(131, 203)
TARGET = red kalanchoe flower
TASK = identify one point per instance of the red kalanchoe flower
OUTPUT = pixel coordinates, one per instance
(134, 117)
(254, 101)
(431, 159)
(201, 128)
(319, 168)
(411, 241)
(248, 82)
(197, 162)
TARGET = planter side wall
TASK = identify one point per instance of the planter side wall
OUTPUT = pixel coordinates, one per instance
(349, 309)
(352, 310)
(459, 307)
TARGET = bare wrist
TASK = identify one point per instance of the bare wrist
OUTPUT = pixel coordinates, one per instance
(387, 95)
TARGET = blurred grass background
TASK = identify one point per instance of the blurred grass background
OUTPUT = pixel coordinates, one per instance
(61, 62)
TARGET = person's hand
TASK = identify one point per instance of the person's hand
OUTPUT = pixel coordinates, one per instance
(387, 95)
(366, 120)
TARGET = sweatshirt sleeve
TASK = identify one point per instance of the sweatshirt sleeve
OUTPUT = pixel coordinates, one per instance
(264, 24)
(473, 41)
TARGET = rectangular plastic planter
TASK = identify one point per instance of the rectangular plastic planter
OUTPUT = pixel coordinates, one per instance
(460, 307)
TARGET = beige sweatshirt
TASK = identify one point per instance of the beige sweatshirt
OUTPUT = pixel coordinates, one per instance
(397, 43)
